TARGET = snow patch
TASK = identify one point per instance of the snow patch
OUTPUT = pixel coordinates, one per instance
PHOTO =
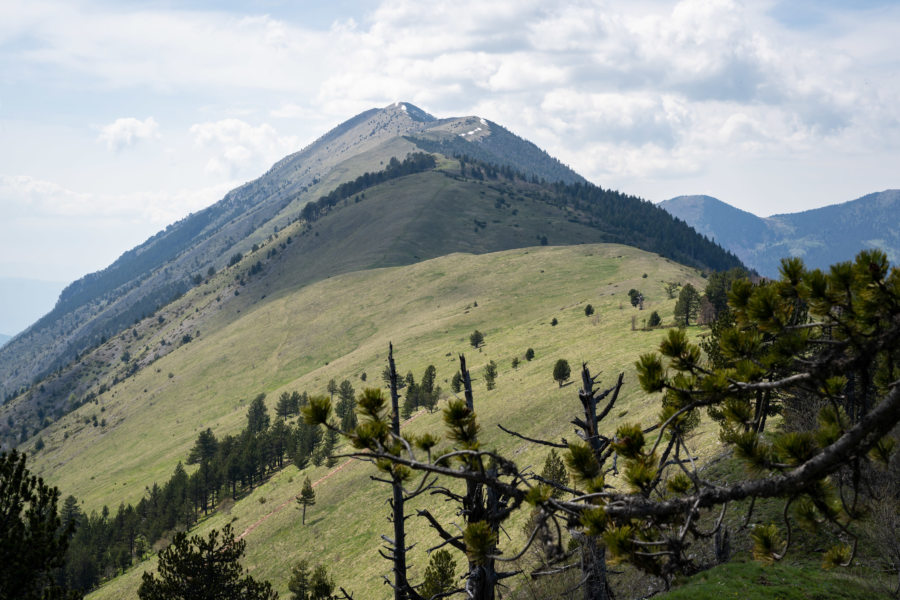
(483, 122)
(403, 107)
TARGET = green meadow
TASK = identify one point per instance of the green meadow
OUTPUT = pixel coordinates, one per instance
(340, 328)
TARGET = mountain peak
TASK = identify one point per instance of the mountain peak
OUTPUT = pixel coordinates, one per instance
(411, 110)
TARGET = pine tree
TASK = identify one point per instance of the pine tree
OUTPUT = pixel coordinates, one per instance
(258, 415)
(688, 305)
(199, 568)
(331, 437)
(561, 371)
(440, 575)
(476, 339)
(284, 407)
(306, 498)
(204, 449)
(299, 584)
(456, 383)
(554, 471)
(32, 541)
(490, 375)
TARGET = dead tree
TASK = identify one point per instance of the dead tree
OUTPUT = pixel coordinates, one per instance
(397, 547)
(483, 507)
(651, 517)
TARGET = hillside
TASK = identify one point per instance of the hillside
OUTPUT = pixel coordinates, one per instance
(415, 214)
(339, 328)
(147, 277)
(821, 237)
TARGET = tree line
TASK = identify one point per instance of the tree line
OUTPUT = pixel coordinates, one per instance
(105, 543)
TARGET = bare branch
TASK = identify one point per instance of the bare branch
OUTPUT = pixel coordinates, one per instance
(533, 440)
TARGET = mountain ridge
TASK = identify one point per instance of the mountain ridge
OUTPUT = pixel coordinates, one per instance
(821, 236)
(456, 204)
(162, 268)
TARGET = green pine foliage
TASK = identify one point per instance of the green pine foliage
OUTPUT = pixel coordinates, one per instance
(561, 371)
(200, 568)
(688, 305)
(440, 574)
(33, 539)
(490, 375)
(476, 339)
(306, 498)
(310, 583)
(554, 472)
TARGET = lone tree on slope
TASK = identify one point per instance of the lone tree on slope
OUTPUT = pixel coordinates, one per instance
(490, 375)
(688, 305)
(306, 498)
(561, 371)
(637, 298)
(476, 339)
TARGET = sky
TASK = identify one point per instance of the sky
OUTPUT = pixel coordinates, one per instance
(118, 117)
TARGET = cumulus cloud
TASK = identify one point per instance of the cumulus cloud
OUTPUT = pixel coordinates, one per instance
(600, 84)
(239, 146)
(28, 197)
(56, 232)
(128, 131)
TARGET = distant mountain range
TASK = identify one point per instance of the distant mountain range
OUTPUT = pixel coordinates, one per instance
(821, 237)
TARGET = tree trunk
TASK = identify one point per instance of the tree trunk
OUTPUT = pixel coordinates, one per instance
(593, 569)
(402, 589)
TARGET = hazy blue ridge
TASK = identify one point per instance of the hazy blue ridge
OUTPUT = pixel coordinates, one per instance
(821, 236)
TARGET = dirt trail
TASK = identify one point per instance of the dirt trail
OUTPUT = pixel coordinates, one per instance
(284, 504)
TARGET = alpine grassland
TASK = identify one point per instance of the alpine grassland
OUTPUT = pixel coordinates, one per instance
(340, 328)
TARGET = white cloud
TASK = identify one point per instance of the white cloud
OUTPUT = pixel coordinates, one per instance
(127, 131)
(23, 196)
(239, 146)
(52, 231)
(647, 96)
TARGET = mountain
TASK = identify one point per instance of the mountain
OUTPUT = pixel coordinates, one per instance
(346, 203)
(821, 237)
(147, 277)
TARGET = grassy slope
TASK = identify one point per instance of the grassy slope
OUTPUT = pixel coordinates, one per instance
(400, 222)
(754, 581)
(346, 321)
